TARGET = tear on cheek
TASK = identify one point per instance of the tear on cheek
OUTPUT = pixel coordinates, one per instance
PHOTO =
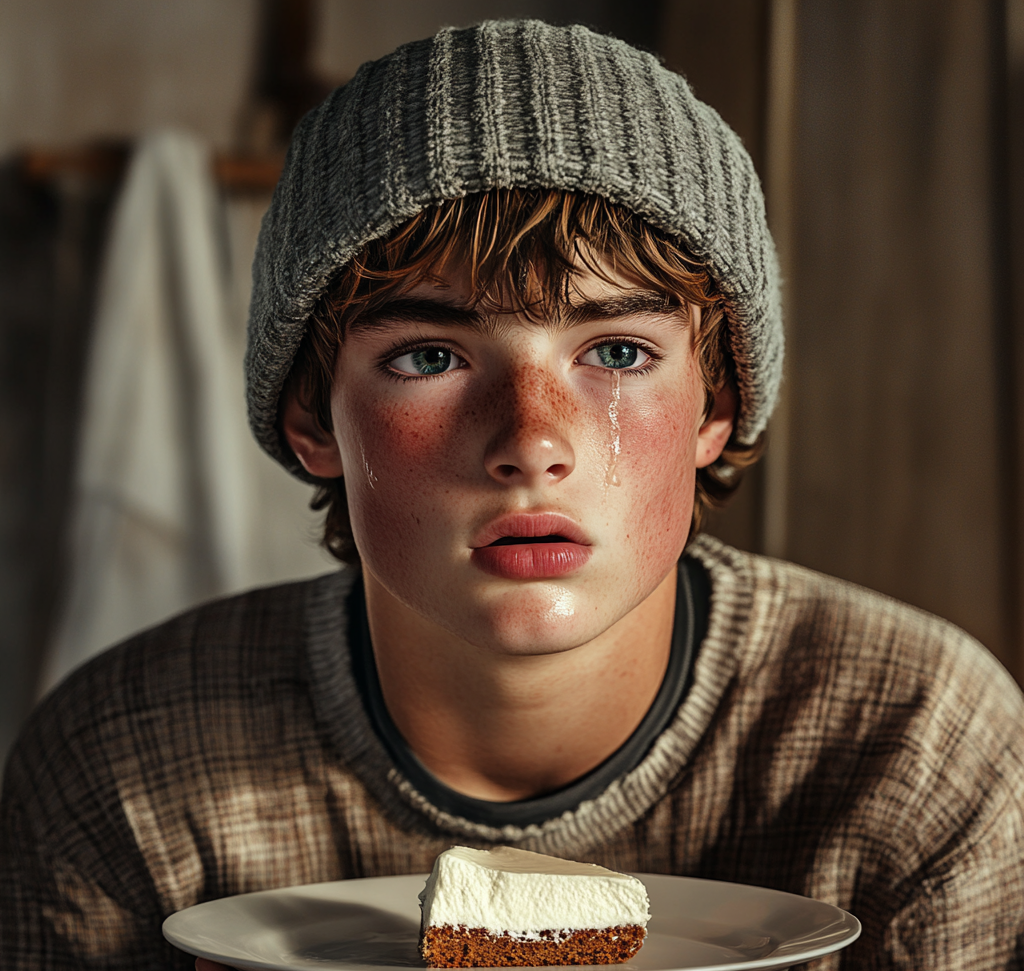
(611, 476)
(371, 477)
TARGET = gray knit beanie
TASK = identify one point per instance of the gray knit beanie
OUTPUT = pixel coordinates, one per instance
(511, 104)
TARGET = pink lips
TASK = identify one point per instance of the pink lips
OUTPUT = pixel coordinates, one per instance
(562, 547)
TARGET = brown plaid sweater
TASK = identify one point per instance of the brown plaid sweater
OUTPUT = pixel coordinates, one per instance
(835, 743)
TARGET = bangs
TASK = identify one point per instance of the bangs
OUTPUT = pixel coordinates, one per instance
(518, 250)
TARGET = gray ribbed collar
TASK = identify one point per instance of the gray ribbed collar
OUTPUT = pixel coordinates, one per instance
(340, 713)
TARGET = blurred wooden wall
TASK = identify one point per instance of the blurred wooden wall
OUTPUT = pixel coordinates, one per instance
(1012, 263)
(900, 466)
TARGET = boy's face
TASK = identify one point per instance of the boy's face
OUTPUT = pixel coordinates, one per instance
(454, 428)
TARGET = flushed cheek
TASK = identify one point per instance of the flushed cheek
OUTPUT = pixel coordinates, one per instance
(662, 521)
(657, 475)
(399, 475)
(399, 438)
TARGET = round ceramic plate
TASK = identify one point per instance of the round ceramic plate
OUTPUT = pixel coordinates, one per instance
(367, 925)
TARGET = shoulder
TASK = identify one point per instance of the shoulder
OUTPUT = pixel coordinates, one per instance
(142, 782)
(257, 634)
(869, 703)
(153, 700)
(805, 624)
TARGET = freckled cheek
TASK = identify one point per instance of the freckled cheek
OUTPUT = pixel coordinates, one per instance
(657, 469)
(399, 461)
(657, 434)
(401, 439)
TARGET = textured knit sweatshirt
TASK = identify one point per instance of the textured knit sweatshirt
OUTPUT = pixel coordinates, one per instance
(834, 743)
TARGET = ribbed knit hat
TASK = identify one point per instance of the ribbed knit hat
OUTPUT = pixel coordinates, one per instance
(513, 103)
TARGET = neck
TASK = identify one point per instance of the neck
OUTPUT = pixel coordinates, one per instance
(504, 727)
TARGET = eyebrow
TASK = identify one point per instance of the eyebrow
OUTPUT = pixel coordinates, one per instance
(428, 310)
(420, 310)
(631, 303)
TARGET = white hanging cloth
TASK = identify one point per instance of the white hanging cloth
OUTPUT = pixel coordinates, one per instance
(175, 503)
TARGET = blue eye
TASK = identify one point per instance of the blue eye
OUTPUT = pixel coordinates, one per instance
(617, 355)
(427, 361)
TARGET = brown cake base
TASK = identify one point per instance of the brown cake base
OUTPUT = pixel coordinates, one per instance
(473, 947)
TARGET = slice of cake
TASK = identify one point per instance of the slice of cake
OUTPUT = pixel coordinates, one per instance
(508, 907)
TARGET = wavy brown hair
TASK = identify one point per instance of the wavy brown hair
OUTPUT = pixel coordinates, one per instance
(522, 249)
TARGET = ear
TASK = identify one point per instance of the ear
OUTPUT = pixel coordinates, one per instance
(717, 427)
(315, 448)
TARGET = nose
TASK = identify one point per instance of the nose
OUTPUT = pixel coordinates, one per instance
(530, 446)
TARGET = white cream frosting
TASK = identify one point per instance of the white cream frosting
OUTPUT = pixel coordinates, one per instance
(512, 890)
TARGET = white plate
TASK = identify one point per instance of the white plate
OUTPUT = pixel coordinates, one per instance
(367, 925)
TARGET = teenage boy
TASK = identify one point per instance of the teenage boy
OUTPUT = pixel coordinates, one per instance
(515, 314)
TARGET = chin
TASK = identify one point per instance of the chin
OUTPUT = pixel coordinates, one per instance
(527, 643)
(542, 619)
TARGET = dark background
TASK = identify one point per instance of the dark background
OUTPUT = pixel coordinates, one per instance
(889, 136)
